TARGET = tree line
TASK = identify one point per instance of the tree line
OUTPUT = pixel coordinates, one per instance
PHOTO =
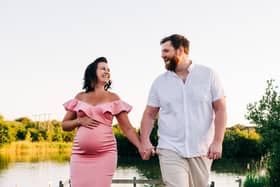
(240, 141)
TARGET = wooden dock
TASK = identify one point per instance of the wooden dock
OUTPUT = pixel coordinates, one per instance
(134, 182)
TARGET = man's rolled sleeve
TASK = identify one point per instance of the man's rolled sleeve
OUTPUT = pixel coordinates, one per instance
(217, 90)
(153, 99)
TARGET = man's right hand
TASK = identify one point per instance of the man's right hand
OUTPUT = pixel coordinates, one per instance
(147, 150)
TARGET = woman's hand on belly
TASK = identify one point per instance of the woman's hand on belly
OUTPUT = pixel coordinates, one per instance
(87, 122)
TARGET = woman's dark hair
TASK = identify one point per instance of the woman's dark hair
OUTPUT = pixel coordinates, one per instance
(90, 77)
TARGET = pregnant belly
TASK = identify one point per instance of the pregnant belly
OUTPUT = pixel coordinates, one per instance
(98, 139)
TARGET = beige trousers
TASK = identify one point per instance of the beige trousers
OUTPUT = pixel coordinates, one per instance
(183, 172)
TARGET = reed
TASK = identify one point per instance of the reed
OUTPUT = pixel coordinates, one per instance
(36, 151)
(26, 146)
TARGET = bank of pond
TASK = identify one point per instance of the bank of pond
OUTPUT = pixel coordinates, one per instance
(27, 140)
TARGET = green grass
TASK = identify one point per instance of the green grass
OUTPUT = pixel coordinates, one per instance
(256, 181)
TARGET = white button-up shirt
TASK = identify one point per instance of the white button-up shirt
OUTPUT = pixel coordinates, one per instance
(186, 116)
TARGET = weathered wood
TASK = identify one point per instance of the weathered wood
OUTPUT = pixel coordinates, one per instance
(133, 181)
(137, 181)
(239, 180)
(61, 184)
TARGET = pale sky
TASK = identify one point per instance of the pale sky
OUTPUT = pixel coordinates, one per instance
(45, 47)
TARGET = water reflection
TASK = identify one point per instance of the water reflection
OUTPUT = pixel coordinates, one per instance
(4, 163)
(55, 166)
(148, 169)
(235, 166)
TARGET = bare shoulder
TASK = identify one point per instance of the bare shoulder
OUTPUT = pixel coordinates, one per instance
(113, 96)
(80, 95)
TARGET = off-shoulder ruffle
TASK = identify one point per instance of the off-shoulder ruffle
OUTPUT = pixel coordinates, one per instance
(70, 105)
(114, 107)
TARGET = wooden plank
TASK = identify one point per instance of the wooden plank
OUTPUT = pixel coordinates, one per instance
(138, 181)
(133, 181)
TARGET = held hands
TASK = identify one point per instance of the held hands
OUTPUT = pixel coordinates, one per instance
(87, 122)
(146, 150)
(215, 151)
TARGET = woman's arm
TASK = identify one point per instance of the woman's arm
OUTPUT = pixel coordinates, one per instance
(70, 121)
(128, 129)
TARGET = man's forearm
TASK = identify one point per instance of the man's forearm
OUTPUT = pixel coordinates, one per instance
(220, 125)
(147, 125)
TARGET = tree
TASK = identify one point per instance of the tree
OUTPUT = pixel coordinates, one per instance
(154, 134)
(57, 129)
(24, 120)
(125, 147)
(242, 141)
(28, 136)
(1, 118)
(5, 135)
(266, 115)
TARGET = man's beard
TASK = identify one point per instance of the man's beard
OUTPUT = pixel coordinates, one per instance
(171, 66)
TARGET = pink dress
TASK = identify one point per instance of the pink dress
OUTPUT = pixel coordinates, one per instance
(94, 153)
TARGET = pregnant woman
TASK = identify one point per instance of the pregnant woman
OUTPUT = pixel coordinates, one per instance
(94, 152)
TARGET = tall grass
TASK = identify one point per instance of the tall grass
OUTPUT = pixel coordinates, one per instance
(253, 180)
(26, 146)
(36, 151)
(257, 176)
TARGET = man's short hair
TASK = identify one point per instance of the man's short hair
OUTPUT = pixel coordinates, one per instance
(177, 41)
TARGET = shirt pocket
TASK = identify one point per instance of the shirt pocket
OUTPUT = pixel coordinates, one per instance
(166, 107)
(200, 93)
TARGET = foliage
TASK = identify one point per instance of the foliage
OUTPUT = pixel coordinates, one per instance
(26, 151)
(28, 137)
(5, 134)
(256, 181)
(26, 129)
(154, 135)
(24, 120)
(266, 115)
(125, 147)
(1, 118)
(274, 165)
(241, 141)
